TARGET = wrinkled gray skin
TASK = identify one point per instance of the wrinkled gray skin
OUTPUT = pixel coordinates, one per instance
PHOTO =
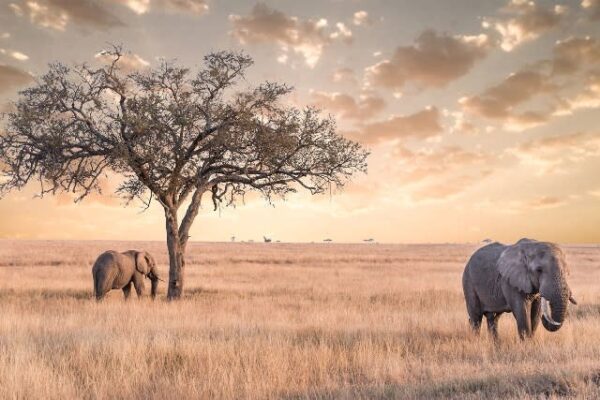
(527, 278)
(113, 270)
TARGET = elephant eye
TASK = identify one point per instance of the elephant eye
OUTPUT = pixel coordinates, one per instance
(538, 269)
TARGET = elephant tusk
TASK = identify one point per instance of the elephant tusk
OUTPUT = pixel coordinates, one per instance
(547, 313)
(572, 300)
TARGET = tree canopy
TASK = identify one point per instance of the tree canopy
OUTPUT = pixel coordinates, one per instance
(173, 135)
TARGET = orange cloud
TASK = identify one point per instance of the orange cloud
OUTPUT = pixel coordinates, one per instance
(347, 107)
(573, 54)
(593, 7)
(433, 61)
(435, 162)
(197, 7)
(361, 18)
(441, 173)
(304, 37)
(56, 14)
(588, 97)
(344, 75)
(498, 102)
(128, 62)
(553, 154)
(528, 22)
(447, 188)
(502, 101)
(420, 125)
(12, 77)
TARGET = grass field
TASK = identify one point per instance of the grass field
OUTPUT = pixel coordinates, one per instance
(281, 321)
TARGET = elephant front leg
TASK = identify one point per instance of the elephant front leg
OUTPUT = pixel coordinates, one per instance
(127, 290)
(138, 283)
(522, 315)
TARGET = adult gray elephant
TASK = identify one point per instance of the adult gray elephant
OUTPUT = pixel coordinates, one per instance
(113, 270)
(521, 278)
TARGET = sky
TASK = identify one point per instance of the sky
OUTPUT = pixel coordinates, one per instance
(482, 116)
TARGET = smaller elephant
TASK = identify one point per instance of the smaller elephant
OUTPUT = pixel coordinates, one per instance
(114, 270)
(527, 279)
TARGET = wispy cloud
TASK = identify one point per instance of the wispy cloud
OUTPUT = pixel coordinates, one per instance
(593, 8)
(433, 61)
(57, 14)
(128, 62)
(526, 21)
(17, 55)
(361, 18)
(420, 125)
(347, 107)
(307, 37)
(197, 7)
(12, 77)
(500, 102)
(556, 154)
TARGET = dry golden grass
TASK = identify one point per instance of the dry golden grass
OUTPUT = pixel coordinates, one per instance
(281, 321)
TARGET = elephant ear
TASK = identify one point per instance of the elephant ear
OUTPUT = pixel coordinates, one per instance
(512, 266)
(141, 263)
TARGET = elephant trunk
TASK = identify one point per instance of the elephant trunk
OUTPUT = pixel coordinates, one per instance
(555, 299)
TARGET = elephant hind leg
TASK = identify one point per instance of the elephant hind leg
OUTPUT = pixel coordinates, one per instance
(127, 290)
(474, 308)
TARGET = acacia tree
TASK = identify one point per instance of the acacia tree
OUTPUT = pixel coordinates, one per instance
(173, 136)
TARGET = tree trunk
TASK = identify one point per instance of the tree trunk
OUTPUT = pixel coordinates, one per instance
(176, 256)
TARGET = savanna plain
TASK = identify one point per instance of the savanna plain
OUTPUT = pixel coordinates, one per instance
(275, 320)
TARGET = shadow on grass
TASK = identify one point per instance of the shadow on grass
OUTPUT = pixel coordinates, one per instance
(540, 386)
(46, 294)
(585, 311)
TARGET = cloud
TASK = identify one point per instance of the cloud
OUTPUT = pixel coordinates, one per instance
(344, 75)
(554, 154)
(544, 202)
(528, 205)
(128, 62)
(573, 54)
(433, 61)
(426, 163)
(57, 14)
(588, 97)
(343, 32)
(440, 173)
(527, 22)
(593, 7)
(543, 84)
(305, 37)
(499, 102)
(197, 7)
(12, 77)
(347, 107)
(448, 188)
(361, 18)
(17, 55)
(421, 125)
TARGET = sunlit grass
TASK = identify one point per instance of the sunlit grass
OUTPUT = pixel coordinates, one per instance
(281, 321)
